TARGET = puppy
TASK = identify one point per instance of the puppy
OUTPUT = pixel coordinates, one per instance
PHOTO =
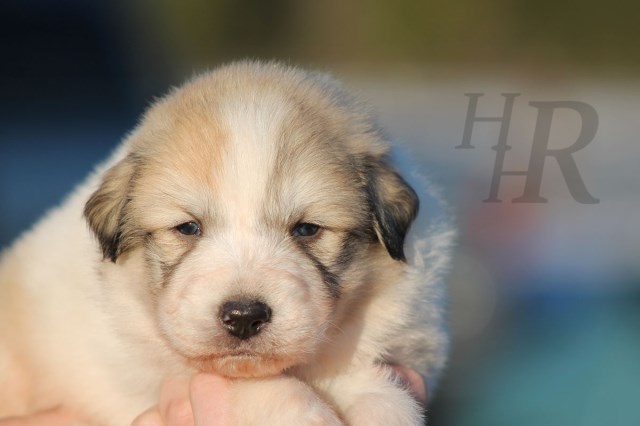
(252, 225)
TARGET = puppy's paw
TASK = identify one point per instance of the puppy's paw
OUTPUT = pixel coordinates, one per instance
(383, 410)
(280, 401)
(372, 397)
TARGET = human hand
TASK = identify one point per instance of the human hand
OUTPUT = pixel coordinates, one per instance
(199, 401)
(202, 400)
(205, 400)
(413, 381)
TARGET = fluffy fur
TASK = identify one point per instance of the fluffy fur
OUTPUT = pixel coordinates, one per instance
(96, 311)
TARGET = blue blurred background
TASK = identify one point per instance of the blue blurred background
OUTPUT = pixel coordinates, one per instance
(545, 298)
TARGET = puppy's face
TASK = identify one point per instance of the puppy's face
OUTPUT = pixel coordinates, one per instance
(260, 196)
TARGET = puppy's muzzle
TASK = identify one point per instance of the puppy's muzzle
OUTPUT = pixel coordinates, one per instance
(244, 319)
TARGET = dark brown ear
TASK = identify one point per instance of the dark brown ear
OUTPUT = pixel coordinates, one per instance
(394, 204)
(104, 210)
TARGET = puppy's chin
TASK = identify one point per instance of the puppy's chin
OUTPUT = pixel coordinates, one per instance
(243, 365)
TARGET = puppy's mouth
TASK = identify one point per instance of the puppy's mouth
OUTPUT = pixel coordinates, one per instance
(242, 364)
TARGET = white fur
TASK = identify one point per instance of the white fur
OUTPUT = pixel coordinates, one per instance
(81, 332)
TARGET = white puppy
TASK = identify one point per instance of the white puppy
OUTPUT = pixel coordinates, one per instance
(252, 225)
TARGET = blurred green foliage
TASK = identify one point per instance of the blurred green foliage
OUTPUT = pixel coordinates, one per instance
(589, 34)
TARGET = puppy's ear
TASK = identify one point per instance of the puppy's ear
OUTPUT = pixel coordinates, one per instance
(104, 210)
(394, 204)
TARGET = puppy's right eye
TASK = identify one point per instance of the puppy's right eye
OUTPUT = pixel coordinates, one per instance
(305, 230)
(188, 228)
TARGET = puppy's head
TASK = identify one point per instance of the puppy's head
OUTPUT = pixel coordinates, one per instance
(260, 196)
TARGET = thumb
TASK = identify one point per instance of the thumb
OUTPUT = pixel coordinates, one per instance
(211, 399)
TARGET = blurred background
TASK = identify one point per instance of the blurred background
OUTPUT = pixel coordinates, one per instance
(545, 297)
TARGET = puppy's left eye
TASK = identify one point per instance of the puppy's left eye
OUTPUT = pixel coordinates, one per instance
(305, 230)
(188, 228)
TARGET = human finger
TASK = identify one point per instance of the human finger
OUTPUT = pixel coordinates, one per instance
(174, 406)
(151, 417)
(414, 382)
(210, 399)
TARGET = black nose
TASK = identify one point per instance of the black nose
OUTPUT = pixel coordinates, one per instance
(244, 319)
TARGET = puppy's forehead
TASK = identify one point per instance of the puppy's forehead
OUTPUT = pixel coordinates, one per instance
(253, 129)
(276, 154)
(259, 145)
